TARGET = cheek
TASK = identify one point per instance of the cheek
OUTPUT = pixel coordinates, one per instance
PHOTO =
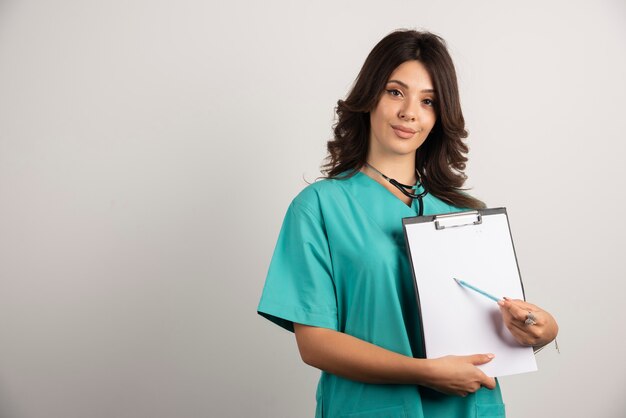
(432, 119)
(376, 122)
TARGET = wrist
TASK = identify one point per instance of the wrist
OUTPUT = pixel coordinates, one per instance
(424, 371)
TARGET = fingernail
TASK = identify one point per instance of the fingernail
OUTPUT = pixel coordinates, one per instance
(490, 355)
(505, 298)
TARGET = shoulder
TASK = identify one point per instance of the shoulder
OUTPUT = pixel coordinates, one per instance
(321, 193)
(441, 206)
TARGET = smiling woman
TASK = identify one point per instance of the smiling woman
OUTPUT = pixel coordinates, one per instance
(340, 277)
(404, 115)
(428, 78)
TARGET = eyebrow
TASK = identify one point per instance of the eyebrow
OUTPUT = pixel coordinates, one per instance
(403, 84)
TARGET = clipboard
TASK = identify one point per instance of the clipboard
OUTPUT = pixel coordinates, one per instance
(477, 247)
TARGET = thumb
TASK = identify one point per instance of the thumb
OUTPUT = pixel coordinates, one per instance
(478, 359)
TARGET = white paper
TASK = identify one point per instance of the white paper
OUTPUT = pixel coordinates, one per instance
(457, 320)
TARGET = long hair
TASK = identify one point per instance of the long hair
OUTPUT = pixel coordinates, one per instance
(441, 159)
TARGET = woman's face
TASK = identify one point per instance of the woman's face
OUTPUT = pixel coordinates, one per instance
(405, 112)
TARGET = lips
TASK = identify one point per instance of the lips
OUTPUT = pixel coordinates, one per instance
(403, 132)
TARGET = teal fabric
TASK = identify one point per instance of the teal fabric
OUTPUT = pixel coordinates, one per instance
(340, 263)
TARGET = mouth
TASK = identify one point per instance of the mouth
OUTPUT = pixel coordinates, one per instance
(403, 132)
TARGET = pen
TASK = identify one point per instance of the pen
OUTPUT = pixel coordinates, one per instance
(475, 289)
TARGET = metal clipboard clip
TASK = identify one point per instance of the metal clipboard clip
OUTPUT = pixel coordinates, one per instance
(453, 220)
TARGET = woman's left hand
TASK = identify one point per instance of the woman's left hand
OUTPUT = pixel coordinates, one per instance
(529, 324)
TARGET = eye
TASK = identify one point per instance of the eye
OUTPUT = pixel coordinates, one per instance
(394, 92)
(429, 102)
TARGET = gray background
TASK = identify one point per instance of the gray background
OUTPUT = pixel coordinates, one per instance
(149, 150)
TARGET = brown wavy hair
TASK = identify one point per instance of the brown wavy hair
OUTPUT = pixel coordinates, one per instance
(441, 159)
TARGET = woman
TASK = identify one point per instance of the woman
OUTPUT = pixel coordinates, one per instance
(340, 277)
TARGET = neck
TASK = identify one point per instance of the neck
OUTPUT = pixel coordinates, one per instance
(400, 168)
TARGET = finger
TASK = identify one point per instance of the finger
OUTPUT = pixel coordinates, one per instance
(522, 304)
(478, 359)
(516, 312)
(530, 330)
(523, 328)
(523, 336)
(519, 321)
(488, 382)
(537, 327)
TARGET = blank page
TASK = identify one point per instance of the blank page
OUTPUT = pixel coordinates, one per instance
(457, 320)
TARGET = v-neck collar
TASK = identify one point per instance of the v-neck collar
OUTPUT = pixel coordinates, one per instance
(379, 189)
(382, 206)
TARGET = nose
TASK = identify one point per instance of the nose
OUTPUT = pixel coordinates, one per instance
(408, 112)
(406, 116)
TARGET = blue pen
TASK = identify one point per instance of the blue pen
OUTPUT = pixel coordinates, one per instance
(475, 289)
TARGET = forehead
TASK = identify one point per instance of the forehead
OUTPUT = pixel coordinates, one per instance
(413, 74)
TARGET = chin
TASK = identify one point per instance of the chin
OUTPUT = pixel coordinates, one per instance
(406, 149)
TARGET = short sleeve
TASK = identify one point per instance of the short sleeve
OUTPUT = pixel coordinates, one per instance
(299, 286)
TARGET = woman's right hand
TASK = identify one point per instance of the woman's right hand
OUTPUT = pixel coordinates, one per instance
(352, 358)
(458, 375)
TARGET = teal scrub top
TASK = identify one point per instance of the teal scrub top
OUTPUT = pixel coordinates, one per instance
(340, 263)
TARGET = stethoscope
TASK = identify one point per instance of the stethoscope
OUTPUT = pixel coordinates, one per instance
(404, 189)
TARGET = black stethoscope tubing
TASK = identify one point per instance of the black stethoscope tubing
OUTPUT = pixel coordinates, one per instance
(404, 189)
